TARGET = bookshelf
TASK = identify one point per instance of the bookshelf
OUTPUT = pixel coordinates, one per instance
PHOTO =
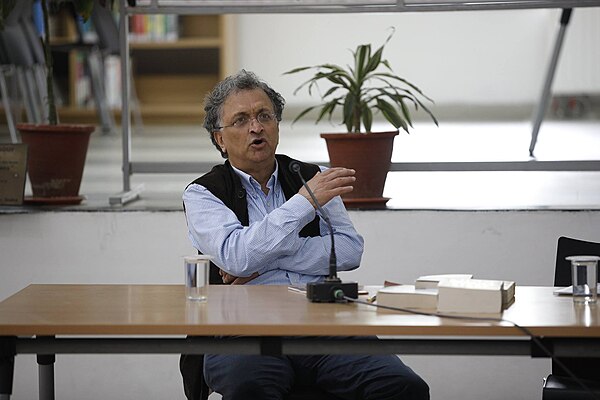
(171, 69)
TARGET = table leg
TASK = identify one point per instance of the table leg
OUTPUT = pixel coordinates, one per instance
(7, 366)
(7, 369)
(46, 376)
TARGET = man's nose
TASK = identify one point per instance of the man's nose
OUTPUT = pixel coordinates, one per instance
(255, 126)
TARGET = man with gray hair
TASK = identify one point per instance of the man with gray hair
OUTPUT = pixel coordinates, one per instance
(253, 215)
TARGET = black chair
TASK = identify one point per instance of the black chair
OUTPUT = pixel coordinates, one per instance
(559, 385)
(571, 247)
(195, 387)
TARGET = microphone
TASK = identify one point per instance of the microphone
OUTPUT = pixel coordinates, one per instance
(332, 289)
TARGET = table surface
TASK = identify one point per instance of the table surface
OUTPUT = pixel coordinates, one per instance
(265, 311)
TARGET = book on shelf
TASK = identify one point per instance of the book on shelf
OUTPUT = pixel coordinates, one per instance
(407, 296)
(475, 295)
(112, 81)
(431, 281)
(153, 27)
(83, 85)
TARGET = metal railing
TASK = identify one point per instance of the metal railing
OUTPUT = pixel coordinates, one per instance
(340, 6)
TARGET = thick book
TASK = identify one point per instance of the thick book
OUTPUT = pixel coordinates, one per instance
(407, 296)
(432, 281)
(508, 294)
(470, 296)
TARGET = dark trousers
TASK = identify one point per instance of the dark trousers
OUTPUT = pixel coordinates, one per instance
(346, 377)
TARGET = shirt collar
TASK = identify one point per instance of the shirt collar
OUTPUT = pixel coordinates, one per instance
(250, 183)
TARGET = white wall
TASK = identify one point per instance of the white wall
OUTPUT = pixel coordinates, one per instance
(146, 247)
(468, 57)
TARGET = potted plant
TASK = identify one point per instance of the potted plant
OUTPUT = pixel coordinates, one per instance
(56, 152)
(360, 91)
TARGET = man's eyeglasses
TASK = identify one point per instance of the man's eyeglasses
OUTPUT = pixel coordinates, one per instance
(263, 118)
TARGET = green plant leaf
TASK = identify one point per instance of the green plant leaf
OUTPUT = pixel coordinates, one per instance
(435, 121)
(327, 109)
(367, 117)
(348, 119)
(303, 113)
(390, 113)
(374, 61)
(296, 70)
(400, 79)
(330, 91)
(405, 111)
(361, 57)
(366, 87)
(84, 8)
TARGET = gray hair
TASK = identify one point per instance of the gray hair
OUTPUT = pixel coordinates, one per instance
(243, 80)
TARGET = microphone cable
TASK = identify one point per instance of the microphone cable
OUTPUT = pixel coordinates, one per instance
(526, 331)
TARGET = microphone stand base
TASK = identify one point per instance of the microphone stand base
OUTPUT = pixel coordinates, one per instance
(325, 292)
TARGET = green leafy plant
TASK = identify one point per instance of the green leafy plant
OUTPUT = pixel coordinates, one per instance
(368, 86)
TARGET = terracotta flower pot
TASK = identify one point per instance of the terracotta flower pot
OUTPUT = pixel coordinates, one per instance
(56, 158)
(370, 156)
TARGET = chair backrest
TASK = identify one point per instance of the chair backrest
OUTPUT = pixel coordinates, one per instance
(571, 247)
(106, 29)
(34, 40)
(4, 60)
(15, 45)
(584, 368)
(13, 36)
(21, 7)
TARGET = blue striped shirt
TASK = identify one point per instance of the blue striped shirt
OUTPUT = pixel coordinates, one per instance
(271, 244)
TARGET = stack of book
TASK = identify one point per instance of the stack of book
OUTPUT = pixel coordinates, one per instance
(450, 293)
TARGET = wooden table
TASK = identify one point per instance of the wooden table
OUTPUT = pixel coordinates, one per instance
(69, 319)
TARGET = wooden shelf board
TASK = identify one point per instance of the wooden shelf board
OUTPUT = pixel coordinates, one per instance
(182, 43)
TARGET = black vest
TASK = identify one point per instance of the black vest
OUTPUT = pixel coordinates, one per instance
(223, 182)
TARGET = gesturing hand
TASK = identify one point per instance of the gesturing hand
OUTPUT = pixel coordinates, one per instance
(328, 184)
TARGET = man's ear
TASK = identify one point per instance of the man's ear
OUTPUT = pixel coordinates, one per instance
(218, 136)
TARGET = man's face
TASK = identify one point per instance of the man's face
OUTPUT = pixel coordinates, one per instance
(252, 145)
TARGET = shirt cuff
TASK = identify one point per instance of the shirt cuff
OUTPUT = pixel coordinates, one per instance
(302, 209)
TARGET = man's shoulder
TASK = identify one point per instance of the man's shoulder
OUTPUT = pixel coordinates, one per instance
(223, 183)
(214, 178)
